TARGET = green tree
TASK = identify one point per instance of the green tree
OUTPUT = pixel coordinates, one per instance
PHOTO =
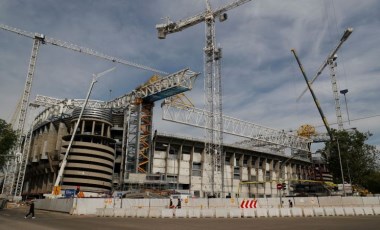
(359, 160)
(8, 139)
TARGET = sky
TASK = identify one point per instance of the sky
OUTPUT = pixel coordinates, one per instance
(260, 78)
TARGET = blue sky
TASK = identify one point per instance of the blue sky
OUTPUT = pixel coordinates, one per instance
(261, 79)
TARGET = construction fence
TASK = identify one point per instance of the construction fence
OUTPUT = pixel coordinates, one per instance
(215, 207)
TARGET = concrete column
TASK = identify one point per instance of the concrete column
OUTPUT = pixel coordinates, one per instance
(93, 128)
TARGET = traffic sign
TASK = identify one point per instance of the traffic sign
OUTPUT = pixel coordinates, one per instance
(279, 186)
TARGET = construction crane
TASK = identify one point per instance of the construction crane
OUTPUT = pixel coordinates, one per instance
(331, 62)
(212, 81)
(39, 39)
(313, 95)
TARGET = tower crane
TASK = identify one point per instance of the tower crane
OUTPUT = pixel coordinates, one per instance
(39, 39)
(212, 81)
(331, 62)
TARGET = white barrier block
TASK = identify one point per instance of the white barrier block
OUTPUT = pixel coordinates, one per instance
(180, 213)
(108, 212)
(262, 212)
(119, 212)
(194, 213)
(273, 212)
(329, 211)
(368, 211)
(142, 212)
(339, 211)
(308, 212)
(371, 201)
(285, 212)
(221, 213)
(376, 210)
(155, 212)
(296, 212)
(235, 212)
(249, 213)
(208, 213)
(130, 212)
(351, 201)
(167, 213)
(349, 211)
(318, 212)
(100, 212)
(358, 211)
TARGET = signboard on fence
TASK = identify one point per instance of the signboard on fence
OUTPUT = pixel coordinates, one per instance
(69, 193)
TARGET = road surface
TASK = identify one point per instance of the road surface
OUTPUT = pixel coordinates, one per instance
(14, 219)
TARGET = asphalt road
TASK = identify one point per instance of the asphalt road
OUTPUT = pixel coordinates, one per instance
(14, 219)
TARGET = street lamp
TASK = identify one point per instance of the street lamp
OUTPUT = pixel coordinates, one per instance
(341, 168)
(344, 91)
(95, 78)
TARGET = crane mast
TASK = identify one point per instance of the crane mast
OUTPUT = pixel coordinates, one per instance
(212, 84)
(11, 180)
(331, 62)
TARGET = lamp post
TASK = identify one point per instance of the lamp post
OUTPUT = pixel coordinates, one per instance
(344, 91)
(341, 168)
(95, 78)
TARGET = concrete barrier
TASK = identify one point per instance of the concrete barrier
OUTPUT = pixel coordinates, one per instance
(99, 212)
(194, 213)
(329, 211)
(234, 213)
(330, 201)
(371, 201)
(301, 202)
(318, 211)
(339, 211)
(352, 201)
(249, 213)
(368, 211)
(296, 212)
(58, 205)
(376, 210)
(358, 211)
(159, 203)
(221, 213)
(167, 213)
(308, 212)
(130, 212)
(180, 213)
(108, 212)
(119, 212)
(261, 212)
(349, 211)
(273, 212)
(275, 202)
(208, 213)
(285, 212)
(155, 212)
(142, 212)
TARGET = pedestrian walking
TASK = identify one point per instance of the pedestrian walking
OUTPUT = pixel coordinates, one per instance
(31, 210)
(290, 204)
(179, 203)
(171, 203)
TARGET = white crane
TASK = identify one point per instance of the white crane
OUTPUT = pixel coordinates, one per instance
(39, 39)
(213, 87)
(331, 61)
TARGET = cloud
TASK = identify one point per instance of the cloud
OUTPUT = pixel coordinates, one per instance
(261, 79)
